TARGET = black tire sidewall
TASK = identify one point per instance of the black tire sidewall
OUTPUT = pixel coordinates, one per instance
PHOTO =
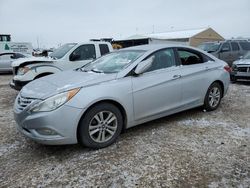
(83, 129)
(206, 102)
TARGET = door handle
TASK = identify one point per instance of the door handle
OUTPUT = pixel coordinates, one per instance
(176, 76)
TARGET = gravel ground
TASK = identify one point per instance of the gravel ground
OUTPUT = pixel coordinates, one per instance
(189, 149)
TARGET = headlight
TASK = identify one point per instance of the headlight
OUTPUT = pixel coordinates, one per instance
(23, 70)
(54, 102)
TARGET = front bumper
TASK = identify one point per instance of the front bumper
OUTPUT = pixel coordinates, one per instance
(240, 75)
(62, 121)
(18, 85)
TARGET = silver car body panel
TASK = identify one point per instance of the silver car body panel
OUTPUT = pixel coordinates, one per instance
(143, 97)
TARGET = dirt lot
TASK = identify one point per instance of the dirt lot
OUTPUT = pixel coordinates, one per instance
(189, 149)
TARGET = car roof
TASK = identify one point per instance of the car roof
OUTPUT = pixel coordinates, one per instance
(92, 42)
(153, 47)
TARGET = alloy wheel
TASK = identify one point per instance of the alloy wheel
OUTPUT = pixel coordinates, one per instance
(103, 126)
(214, 97)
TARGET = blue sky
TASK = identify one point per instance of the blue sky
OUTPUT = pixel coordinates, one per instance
(52, 22)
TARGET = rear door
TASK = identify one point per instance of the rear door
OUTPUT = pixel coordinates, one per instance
(158, 90)
(195, 72)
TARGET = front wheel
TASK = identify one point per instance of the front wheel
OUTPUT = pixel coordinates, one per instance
(213, 97)
(100, 126)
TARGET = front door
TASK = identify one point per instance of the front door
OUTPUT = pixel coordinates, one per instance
(158, 90)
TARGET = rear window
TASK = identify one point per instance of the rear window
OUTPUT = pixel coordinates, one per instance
(189, 57)
(245, 45)
(104, 49)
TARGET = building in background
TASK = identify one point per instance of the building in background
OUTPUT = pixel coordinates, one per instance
(186, 37)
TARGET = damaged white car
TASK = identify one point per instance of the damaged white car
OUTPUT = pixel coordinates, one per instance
(68, 56)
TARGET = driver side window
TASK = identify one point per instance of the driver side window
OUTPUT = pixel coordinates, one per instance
(84, 52)
(163, 59)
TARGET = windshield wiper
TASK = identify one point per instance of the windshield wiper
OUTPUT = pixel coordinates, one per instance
(53, 57)
(85, 70)
(97, 71)
(81, 69)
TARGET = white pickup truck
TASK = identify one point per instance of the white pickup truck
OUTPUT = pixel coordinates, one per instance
(68, 56)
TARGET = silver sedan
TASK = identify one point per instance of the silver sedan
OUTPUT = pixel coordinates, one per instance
(93, 104)
(7, 58)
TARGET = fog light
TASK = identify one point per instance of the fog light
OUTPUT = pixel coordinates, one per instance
(46, 131)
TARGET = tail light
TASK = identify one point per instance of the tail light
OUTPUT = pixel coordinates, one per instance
(227, 68)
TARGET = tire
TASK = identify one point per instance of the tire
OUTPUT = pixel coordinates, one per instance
(213, 97)
(100, 126)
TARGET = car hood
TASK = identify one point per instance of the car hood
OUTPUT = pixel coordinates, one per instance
(56, 83)
(242, 62)
(30, 60)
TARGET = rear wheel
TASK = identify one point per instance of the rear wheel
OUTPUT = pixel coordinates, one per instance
(213, 97)
(100, 126)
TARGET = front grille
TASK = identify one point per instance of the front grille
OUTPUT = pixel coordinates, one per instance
(23, 102)
(243, 69)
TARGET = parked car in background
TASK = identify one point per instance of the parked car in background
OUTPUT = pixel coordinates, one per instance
(68, 56)
(6, 60)
(229, 50)
(241, 68)
(91, 105)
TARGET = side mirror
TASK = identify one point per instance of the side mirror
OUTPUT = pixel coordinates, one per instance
(144, 65)
(13, 56)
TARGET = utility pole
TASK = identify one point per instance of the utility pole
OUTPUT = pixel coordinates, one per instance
(37, 40)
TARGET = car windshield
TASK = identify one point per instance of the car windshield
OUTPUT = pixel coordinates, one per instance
(246, 56)
(61, 51)
(209, 47)
(113, 62)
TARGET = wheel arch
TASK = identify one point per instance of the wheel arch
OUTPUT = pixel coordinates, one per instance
(111, 101)
(43, 74)
(221, 84)
(40, 70)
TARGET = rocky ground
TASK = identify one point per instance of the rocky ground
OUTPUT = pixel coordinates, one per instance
(189, 149)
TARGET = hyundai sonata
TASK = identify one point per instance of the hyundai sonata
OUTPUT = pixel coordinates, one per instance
(93, 104)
